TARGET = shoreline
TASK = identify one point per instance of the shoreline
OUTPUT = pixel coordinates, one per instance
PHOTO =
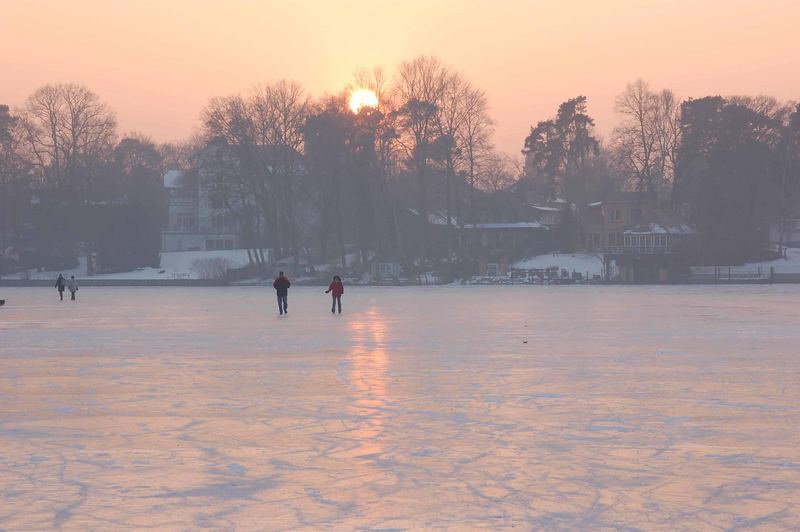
(206, 283)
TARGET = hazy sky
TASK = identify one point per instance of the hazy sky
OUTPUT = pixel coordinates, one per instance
(156, 62)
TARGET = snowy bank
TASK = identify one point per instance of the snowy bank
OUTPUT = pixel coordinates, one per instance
(791, 264)
(572, 262)
(174, 265)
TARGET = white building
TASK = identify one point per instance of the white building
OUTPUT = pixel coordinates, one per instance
(194, 222)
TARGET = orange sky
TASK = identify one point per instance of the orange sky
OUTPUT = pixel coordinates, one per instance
(157, 62)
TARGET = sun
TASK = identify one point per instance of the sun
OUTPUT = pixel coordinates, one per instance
(362, 98)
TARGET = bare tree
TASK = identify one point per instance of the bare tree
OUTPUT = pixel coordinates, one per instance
(474, 137)
(419, 89)
(14, 180)
(449, 123)
(383, 128)
(280, 111)
(266, 131)
(645, 142)
(498, 171)
(67, 129)
(668, 129)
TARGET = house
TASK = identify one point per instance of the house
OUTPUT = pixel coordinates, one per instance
(195, 222)
(386, 271)
(655, 252)
(505, 230)
(550, 214)
(603, 223)
(213, 207)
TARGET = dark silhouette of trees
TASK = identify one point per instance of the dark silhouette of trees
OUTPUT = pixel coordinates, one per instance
(728, 173)
(558, 153)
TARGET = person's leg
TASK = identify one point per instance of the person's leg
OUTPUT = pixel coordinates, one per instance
(280, 304)
(333, 304)
(73, 296)
(339, 301)
(61, 295)
(286, 304)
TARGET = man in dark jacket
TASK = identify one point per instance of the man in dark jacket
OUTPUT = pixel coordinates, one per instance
(281, 286)
(61, 285)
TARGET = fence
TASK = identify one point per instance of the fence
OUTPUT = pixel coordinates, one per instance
(730, 274)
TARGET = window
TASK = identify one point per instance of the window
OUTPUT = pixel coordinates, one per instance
(627, 241)
(218, 221)
(186, 221)
(216, 197)
(213, 244)
(648, 241)
(614, 215)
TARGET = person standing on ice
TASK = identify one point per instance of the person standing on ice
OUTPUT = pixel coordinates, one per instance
(61, 284)
(336, 289)
(72, 285)
(281, 286)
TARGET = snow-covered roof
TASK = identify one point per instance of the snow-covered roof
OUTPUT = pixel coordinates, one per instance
(510, 225)
(659, 229)
(437, 218)
(596, 204)
(177, 179)
(546, 209)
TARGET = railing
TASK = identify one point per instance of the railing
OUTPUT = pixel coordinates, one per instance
(637, 250)
(181, 229)
(728, 274)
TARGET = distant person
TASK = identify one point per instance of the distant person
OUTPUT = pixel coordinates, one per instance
(281, 286)
(336, 289)
(72, 285)
(61, 285)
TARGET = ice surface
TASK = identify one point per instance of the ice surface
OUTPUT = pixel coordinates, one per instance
(644, 408)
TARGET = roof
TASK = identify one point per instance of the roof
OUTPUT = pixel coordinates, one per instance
(436, 218)
(659, 229)
(178, 179)
(511, 225)
(545, 209)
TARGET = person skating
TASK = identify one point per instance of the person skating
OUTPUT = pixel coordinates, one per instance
(72, 285)
(61, 285)
(281, 286)
(336, 289)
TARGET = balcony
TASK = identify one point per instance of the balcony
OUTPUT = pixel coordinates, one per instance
(638, 250)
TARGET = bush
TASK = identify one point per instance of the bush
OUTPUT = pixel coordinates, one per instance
(215, 268)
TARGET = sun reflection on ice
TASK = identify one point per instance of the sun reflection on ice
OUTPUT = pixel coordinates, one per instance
(368, 376)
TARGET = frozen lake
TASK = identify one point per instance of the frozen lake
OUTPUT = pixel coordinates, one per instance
(482, 407)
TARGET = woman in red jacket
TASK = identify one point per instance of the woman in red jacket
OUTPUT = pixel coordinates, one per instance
(336, 289)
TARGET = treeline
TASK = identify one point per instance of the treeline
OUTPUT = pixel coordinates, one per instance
(316, 179)
(70, 184)
(728, 166)
(326, 179)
